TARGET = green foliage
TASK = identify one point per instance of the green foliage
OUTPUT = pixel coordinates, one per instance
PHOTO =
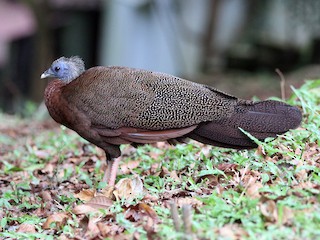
(271, 193)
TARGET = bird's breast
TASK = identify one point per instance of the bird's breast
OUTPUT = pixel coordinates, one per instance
(53, 101)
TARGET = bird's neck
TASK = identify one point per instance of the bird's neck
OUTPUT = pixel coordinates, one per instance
(53, 88)
(52, 96)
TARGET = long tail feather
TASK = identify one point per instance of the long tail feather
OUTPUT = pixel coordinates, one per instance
(261, 119)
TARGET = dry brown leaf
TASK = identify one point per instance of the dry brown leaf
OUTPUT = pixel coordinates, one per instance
(305, 185)
(128, 188)
(42, 154)
(162, 145)
(96, 203)
(64, 237)
(92, 228)
(188, 201)
(85, 194)
(83, 209)
(312, 150)
(232, 231)
(58, 218)
(219, 189)
(287, 216)
(150, 198)
(108, 192)
(27, 228)
(206, 150)
(139, 211)
(227, 167)
(260, 151)
(48, 169)
(154, 155)
(154, 168)
(212, 180)
(99, 202)
(150, 227)
(104, 229)
(126, 168)
(61, 172)
(301, 175)
(174, 175)
(269, 210)
(253, 188)
(164, 171)
(46, 196)
(108, 230)
(145, 208)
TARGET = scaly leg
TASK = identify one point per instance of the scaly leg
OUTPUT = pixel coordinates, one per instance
(111, 172)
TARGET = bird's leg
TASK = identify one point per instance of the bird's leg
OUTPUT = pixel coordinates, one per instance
(111, 171)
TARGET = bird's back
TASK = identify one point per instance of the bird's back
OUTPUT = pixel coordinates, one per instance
(118, 96)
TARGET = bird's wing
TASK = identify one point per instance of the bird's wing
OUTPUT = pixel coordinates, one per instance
(116, 97)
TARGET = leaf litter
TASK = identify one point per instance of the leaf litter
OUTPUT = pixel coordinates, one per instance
(50, 184)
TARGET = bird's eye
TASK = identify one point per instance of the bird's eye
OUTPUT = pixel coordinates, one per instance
(57, 69)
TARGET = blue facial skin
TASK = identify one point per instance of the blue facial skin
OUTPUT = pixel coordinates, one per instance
(65, 69)
(59, 70)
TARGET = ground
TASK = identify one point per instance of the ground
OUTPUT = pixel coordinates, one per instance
(50, 185)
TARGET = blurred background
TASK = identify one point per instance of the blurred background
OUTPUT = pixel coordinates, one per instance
(233, 45)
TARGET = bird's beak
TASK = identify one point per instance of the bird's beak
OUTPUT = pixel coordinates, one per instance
(46, 74)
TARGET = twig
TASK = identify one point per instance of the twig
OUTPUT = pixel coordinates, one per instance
(187, 219)
(175, 216)
(282, 84)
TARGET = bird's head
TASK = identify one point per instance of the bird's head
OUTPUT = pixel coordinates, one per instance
(65, 69)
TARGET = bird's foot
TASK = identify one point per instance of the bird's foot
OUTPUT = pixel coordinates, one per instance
(111, 172)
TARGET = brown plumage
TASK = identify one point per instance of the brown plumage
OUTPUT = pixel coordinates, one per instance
(110, 106)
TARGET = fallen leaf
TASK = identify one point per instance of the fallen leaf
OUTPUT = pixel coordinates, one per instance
(128, 188)
(46, 196)
(154, 169)
(85, 194)
(287, 216)
(150, 227)
(164, 171)
(145, 208)
(75, 160)
(227, 167)
(108, 230)
(27, 228)
(48, 169)
(41, 154)
(151, 198)
(100, 202)
(188, 201)
(174, 175)
(104, 229)
(162, 145)
(92, 228)
(154, 155)
(108, 192)
(212, 180)
(303, 173)
(232, 231)
(269, 210)
(253, 188)
(58, 218)
(83, 209)
(139, 211)
(126, 168)
(96, 203)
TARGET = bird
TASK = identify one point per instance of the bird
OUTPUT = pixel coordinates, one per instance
(114, 105)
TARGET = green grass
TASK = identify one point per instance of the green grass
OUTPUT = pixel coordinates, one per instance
(270, 193)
